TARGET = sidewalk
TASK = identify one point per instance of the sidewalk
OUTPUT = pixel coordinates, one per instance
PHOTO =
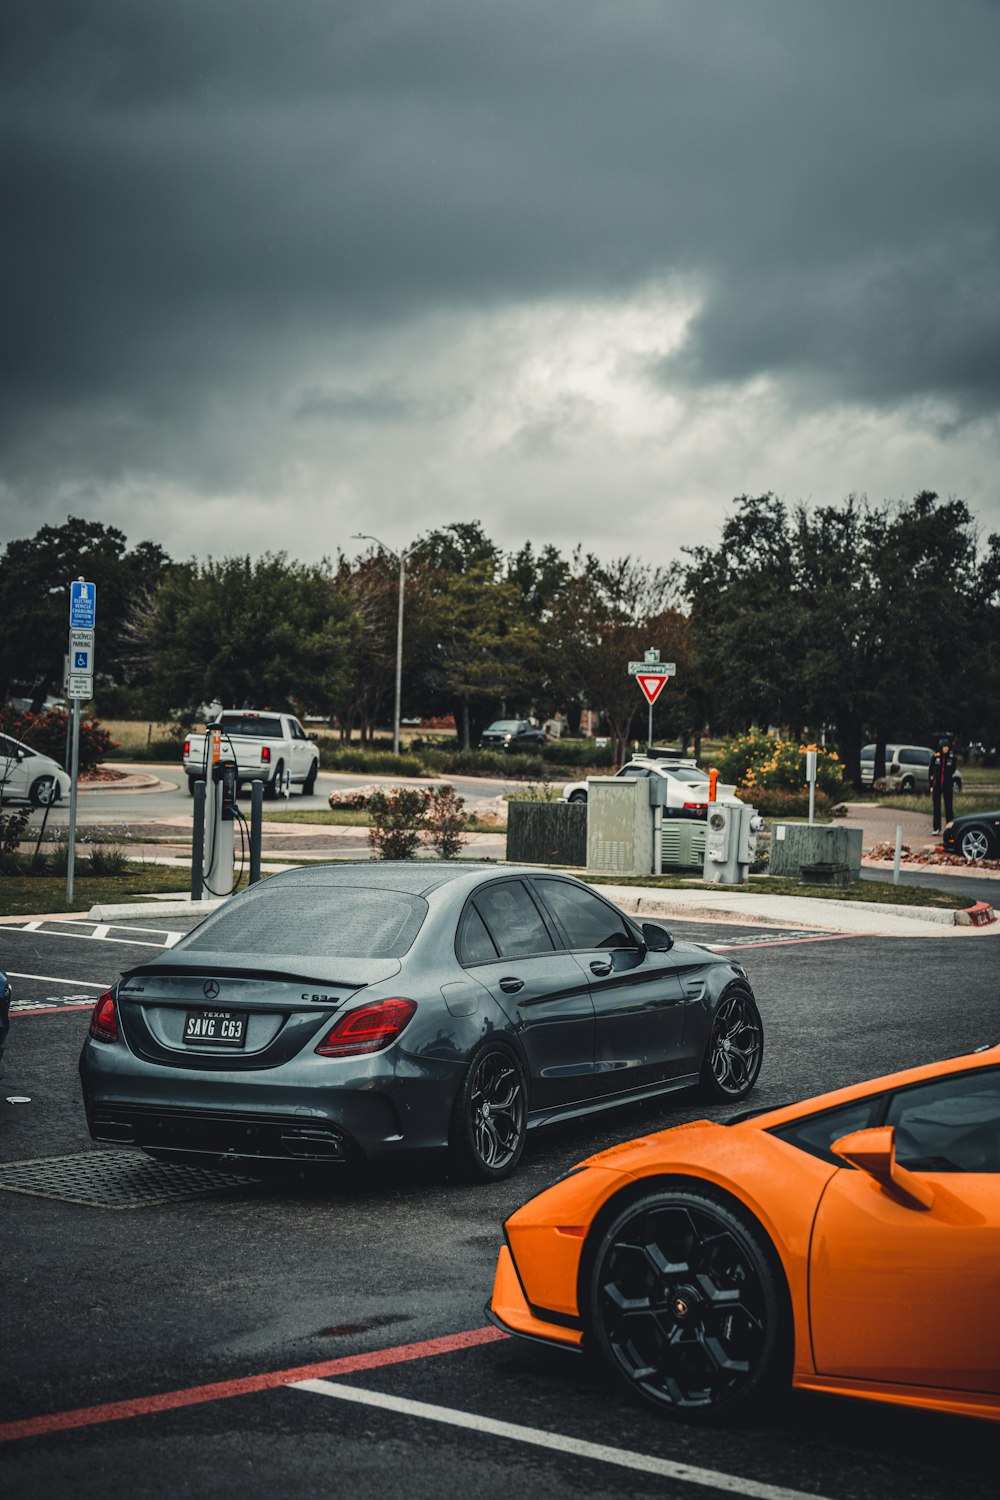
(869, 918)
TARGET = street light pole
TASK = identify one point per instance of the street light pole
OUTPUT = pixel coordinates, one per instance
(399, 655)
(401, 557)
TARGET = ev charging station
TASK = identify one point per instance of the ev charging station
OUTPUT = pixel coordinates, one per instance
(216, 813)
(730, 842)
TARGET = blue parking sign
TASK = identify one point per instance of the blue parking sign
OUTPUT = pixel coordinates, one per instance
(82, 605)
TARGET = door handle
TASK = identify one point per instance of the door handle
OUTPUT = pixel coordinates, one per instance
(510, 986)
(598, 967)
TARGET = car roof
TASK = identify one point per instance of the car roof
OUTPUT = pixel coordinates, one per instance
(416, 878)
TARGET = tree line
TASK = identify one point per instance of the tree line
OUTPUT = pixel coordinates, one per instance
(850, 622)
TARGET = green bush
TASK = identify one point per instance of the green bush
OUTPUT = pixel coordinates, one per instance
(444, 820)
(578, 753)
(760, 764)
(396, 822)
(102, 860)
(13, 826)
(778, 804)
(484, 763)
(369, 762)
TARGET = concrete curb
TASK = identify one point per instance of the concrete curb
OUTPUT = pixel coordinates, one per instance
(172, 908)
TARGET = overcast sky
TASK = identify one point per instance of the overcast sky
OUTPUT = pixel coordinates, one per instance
(277, 271)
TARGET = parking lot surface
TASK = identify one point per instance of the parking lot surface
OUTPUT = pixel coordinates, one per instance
(169, 1332)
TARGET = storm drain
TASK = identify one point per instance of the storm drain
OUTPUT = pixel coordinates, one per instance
(113, 1179)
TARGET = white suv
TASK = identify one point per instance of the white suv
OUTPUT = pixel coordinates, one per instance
(687, 785)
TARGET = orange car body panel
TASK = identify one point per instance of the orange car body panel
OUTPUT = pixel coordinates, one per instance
(843, 1241)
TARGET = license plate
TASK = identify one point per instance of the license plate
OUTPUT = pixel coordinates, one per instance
(215, 1028)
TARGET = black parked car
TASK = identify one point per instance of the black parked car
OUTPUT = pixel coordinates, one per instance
(512, 734)
(349, 1011)
(973, 835)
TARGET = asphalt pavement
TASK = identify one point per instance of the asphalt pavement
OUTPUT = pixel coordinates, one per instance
(157, 1332)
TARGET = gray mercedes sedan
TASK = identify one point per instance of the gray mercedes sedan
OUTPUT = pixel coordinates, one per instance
(349, 1011)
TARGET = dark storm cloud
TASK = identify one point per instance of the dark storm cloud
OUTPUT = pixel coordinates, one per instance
(202, 198)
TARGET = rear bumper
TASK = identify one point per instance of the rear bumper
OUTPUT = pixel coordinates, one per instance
(374, 1107)
(209, 1136)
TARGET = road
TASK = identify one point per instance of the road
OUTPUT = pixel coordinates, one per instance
(202, 1307)
(171, 801)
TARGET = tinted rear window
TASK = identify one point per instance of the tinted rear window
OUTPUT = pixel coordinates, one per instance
(320, 921)
(259, 726)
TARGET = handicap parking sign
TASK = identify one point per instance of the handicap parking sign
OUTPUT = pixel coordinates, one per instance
(81, 661)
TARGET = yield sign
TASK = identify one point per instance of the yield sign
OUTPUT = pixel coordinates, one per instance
(651, 686)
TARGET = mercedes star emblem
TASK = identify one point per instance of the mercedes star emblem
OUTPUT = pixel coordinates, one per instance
(210, 989)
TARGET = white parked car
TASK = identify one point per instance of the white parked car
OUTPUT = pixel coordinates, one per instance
(687, 785)
(28, 776)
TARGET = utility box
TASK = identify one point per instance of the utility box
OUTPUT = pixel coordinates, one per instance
(683, 843)
(730, 842)
(619, 826)
(815, 847)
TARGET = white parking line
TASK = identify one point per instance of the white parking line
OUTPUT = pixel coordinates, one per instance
(558, 1443)
(83, 984)
(100, 933)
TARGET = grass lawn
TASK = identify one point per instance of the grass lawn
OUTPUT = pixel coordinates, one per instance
(885, 893)
(965, 802)
(26, 895)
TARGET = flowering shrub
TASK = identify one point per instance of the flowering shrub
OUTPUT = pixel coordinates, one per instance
(396, 822)
(46, 733)
(758, 764)
(790, 804)
(444, 821)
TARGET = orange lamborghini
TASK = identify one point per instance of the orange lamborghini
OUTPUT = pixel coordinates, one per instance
(847, 1244)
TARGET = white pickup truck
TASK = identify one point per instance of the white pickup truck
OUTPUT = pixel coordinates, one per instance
(264, 745)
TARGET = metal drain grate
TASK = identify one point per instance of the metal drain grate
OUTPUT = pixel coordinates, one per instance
(113, 1179)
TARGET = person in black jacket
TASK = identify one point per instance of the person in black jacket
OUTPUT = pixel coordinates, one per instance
(943, 779)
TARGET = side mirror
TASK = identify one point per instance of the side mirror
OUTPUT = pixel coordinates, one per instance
(874, 1152)
(314, 738)
(657, 939)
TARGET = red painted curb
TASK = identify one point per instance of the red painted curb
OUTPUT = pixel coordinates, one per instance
(981, 914)
(140, 1406)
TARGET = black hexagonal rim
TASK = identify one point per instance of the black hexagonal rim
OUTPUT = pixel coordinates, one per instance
(682, 1306)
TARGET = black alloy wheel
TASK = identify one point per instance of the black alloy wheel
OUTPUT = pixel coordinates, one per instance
(491, 1111)
(975, 843)
(686, 1305)
(577, 796)
(273, 787)
(735, 1046)
(44, 792)
(907, 786)
(309, 785)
